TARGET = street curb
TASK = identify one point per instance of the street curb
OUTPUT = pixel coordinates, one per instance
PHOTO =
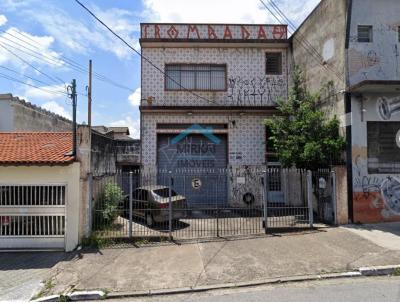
(100, 295)
(75, 296)
(204, 288)
(379, 270)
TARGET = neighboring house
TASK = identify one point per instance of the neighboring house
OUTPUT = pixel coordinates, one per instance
(19, 115)
(127, 149)
(39, 191)
(219, 79)
(358, 42)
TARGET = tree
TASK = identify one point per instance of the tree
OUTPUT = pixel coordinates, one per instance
(301, 135)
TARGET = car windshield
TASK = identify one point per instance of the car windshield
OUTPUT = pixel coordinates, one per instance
(164, 192)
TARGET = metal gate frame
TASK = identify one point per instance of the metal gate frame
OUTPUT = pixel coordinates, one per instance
(46, 223)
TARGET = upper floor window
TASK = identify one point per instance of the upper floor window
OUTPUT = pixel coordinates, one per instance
(398, 33)
(364, 33)
(273, 63)
(203, 77)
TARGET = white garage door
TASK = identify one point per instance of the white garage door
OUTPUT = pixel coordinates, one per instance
(32, 216)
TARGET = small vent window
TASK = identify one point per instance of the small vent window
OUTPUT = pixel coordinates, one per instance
(364, 33)
(273, 64)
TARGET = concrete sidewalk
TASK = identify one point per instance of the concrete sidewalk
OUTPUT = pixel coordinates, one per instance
(196, 264)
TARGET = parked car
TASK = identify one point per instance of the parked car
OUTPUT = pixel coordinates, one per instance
(152, 204)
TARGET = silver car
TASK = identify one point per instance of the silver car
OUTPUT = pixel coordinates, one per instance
(152, 204)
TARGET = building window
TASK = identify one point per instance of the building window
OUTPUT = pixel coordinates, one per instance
(398, 33)
(273, 63)
(383, 147)
(364, 33)
(202, 77)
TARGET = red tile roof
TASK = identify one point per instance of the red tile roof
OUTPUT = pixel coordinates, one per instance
(35, 148)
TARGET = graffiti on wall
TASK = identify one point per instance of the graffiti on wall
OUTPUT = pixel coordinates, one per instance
(388, 107)
(379, 199)
(256, 90)
(246, 186)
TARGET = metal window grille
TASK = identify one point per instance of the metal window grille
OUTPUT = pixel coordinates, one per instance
(383, 152)
(195, 77)
(364, 33)
(273, 63)
(32, 195)
(32, 210)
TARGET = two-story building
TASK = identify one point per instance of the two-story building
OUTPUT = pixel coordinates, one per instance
(357, 43)
(206, 91)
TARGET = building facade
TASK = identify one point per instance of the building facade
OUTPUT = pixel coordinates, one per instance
(206, 91)
(357, 70)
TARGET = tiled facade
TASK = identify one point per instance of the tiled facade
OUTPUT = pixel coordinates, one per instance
(249, 98)
(247, 83)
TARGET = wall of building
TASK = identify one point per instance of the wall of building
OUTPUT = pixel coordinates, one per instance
(379, 60)
(18, 115)
(324, 32)
(371, 199)
(246, 144)
(247, 84)
(68, 175)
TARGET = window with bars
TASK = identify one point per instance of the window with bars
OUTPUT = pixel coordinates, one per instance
(201, 77)
(273, 63)
(383, 147)
(364, 33)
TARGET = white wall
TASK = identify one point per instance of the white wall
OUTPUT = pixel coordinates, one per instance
(379, 60)
(370, 205)
(68, 175)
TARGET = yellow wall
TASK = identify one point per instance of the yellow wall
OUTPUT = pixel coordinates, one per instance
(68, 175)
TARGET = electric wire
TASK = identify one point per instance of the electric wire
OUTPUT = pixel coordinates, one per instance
(142, 56)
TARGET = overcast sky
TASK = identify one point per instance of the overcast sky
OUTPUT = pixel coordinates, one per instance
(38, 37)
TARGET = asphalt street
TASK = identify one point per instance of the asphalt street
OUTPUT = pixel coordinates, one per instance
(372, 289)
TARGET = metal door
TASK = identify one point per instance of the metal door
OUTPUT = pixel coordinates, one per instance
(198, 167)
(32, 216)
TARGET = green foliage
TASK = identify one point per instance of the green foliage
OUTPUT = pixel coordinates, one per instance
(302, 135)
(111, 198)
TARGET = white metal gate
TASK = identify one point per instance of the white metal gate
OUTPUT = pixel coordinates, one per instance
(32, 216)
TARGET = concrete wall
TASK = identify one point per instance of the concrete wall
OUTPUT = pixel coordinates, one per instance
(18, 115)
(379, 60)
(342, 205)
(245, 76)
(68, 175)
(325, 31)
(371, 203)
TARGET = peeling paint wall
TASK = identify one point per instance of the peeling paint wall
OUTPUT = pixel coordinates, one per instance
(376, 197)
(380, 59)
(319, 50)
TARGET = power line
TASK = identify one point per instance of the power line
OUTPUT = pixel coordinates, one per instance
(54, 79)
(29, 77)
(311, 53)
(143, 57)
(55, 92)
(67, 61)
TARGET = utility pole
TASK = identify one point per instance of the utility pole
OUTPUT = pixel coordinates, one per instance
(90, 96)
(73, 97)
